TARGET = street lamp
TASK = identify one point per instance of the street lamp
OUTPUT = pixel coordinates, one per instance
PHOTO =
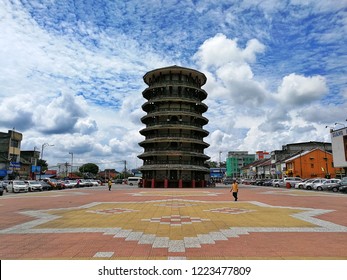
(337, 123)
(71, 153)
(42, 147)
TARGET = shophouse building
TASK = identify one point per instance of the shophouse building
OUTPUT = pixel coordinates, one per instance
(278, 157)
(10, 143)
(28, 160)
(174, 135)
(311, 164)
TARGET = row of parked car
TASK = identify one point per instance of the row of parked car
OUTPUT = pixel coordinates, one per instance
(319, 184)
(46, 184)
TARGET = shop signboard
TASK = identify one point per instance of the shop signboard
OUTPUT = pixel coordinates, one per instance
(339, 147)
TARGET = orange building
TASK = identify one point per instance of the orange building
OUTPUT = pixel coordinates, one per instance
(311, 164)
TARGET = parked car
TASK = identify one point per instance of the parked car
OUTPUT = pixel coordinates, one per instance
(134, 180)
(343, 184)
(326, 184)
(248, 181)
(279, 183)
(259, 182)
(228, 181)
(17, 186)
(291, 181)
(274, 181)
(70, 184)
(334, 187)
(118, 181)
(46, 186)
(92, 182)
(34, 185)
(268, 182)
(300, 185)
(51, 182)
(4, 184)
(86, 183)
(59, 184)
(309, 185)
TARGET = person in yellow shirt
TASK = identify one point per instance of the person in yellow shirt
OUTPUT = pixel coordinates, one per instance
(234, 189)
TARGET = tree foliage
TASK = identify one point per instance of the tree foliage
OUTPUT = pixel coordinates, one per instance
(89, 168)
(43, 164)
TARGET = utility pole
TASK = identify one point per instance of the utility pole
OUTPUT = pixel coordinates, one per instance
(125, 167)
(42, 147)
(71, 153)
(66, 165)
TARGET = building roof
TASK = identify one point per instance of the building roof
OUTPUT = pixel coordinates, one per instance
(260, 162)
(300, 154)
(175, 69)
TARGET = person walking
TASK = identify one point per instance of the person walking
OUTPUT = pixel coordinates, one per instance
(234, 189)
(109, 184)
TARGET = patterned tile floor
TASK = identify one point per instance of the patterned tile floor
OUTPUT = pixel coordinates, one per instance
(132, 223)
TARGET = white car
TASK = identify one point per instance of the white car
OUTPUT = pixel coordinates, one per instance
(34, 186)
(70, 184)
(301, 185)
(292, 181)
(17, 186)
(93, 182)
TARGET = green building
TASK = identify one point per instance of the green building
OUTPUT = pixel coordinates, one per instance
(236, 160)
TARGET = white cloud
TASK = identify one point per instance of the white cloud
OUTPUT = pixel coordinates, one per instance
(71, 73)
(298, 90)
(229, 70)
(219, 50)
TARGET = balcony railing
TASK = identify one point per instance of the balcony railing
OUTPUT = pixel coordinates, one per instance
(154, 149)
(165, 112)
(174, 123)
(176, 135)
(163, 162)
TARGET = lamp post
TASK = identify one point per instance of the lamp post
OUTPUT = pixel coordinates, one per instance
(42, 147)
(326, 162)
(220, 166)
(337, 123)
(71, 153)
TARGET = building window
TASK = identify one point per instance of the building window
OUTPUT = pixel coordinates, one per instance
(14, 143)
(312, 165)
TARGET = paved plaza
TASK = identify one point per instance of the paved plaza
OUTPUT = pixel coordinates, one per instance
(189, 224)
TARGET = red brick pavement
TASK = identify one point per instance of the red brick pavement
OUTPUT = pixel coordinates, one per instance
(27, 235)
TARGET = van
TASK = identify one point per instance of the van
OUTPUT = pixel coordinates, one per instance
(134, 181)
(292, 181)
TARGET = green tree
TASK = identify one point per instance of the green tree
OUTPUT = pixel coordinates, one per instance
(89, 168)
(43, 164)
(212, 164)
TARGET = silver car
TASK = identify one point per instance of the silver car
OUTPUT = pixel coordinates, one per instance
(326, 184)
(309, 185)
(301, 185)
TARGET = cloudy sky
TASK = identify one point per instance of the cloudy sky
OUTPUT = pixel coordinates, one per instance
(71, 71)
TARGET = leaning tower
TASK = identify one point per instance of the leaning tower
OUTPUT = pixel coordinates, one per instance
(174, 147)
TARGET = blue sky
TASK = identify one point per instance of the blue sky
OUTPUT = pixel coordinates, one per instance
(71, 71)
